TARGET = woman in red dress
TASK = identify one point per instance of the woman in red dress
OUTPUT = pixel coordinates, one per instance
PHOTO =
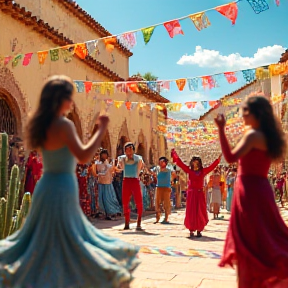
(196, 217)
(257, 238)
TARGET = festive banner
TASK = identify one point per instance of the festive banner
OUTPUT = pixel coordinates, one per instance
(181, 84)
(258, 5)
(231, 77)
(173, 28)
(230, 11)
(27, 59)
(200, 21)
(147, 33)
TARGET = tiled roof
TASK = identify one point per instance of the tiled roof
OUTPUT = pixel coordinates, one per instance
(74, 8)
(19, 13)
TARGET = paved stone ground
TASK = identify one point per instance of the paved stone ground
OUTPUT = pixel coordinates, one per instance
(189, 263)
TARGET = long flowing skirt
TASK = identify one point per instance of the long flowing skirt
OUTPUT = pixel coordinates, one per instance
(108, 202)
(196, 217)
(257, 238)
(59, 248)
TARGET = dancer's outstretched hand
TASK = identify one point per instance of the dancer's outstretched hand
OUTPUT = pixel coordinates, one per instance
(103, 121)
(220, 121)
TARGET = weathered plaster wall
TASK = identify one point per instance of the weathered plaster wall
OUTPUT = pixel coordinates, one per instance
(54, 13)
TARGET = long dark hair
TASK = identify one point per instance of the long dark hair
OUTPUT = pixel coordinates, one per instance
(270, 126)
(196, 158)
(55, 91)
(103, 151)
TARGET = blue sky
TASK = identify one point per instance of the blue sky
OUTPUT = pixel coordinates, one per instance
(160, 56)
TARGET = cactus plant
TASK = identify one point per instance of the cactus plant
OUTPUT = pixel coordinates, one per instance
(2, 216)
(3, 164)
(10, 217)
(26, 202)
(13, 184)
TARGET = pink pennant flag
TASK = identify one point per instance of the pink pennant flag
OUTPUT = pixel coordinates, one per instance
(7, 60)
(208, 82)
(231, 77)
(27, 59)
(164, 85)
(173, 28)
(121, 87)
(277, 2)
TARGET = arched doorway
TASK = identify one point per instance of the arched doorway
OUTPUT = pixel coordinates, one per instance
(141, 149)
(122, 139)
(74, 117)
(120, 145)
(105, 143)
(8, 122)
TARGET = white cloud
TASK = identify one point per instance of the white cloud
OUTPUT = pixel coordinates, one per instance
(214, 59)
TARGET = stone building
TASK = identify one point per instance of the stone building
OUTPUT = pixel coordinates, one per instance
(31, 26)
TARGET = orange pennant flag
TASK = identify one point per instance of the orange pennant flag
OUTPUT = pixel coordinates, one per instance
(133, 86)
(81, 50)
(181, 83)
(230, 11)
(42, 55)
(128, 105)
(190, 104)
(110, 43)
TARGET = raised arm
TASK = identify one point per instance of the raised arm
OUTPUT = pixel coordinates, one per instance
(242, 148)
(84, 153)
(179, 162)
(211, 167)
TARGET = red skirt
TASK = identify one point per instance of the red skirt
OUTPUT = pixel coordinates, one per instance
(257, 238)
(196, 217)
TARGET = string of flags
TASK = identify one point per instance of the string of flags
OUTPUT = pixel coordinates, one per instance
(194, 84)
(129, 39)
(202, 133)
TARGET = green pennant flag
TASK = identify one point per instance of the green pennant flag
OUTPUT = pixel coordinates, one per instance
(147, 33)
(16, 60)
(54, 54)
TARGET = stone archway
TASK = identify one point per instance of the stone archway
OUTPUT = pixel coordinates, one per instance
(105, 143)
(13, 104)
(122, 139)
(74, 117)
(8, 122)
(142, 149)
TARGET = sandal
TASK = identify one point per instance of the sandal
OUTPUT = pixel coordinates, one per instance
(191, 234)
(139, 228)
(199, 234)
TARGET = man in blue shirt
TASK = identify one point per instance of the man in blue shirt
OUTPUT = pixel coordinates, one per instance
(163, 188)
(131, 165)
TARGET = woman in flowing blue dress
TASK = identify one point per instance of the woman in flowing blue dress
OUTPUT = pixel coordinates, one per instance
(58, 247)
(108, 202)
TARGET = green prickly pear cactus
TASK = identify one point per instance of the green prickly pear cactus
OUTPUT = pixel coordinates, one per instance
(13, 185)
(2, 216)
(26, 202)
(10, 217)
(3, 164)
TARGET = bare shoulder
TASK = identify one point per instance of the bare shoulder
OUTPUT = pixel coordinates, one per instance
(65, 124)
(257, 138)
